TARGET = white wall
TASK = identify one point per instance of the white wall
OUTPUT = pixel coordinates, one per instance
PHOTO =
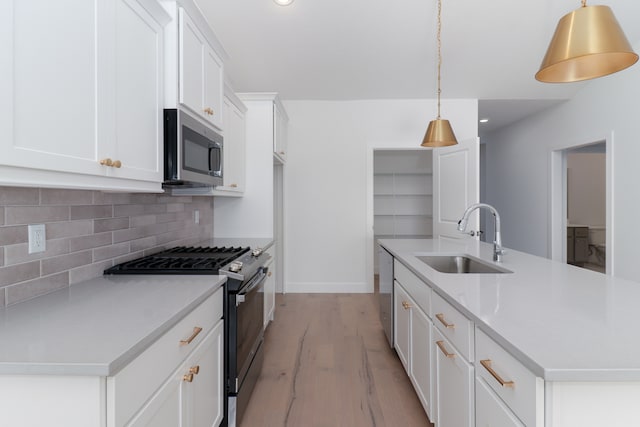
(330, 148)
(519, 160)
(586, 189)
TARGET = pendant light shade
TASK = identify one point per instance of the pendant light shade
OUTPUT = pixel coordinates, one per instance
(588, 43)
(439, 133)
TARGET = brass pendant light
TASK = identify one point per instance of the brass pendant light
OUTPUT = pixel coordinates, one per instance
(588, 43)
(439, 133)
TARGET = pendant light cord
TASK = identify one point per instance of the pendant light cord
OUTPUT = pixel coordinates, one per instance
(440, 51)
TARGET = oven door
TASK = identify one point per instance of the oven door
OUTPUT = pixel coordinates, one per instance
(250, 321)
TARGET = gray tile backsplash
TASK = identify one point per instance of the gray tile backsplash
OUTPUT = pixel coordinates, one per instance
(88, 231)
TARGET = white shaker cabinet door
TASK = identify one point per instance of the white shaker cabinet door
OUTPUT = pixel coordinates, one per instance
(491, 410)
(453, 386)
(420, 359)
(402, 324)
(138, 142)
(213, 88)
(51, 113)
(163, 410)
(192, 50)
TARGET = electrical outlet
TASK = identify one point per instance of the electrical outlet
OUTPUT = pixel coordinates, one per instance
(37, 238)
(196, 216)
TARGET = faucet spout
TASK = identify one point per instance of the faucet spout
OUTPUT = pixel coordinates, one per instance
(497, 239)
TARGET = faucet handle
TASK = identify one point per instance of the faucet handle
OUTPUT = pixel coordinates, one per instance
(475, 233)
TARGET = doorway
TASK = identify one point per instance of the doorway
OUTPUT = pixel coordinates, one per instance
(581, 220)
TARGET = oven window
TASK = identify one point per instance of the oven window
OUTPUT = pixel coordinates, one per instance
(195, 151)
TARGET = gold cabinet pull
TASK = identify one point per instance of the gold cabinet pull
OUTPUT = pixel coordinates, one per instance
(106, 162)
(117, 164)
(188, 378)
(209, 111)
(282, 152)
(440, 344)
(234, 186)
(193, 336)
(195, 370)
(487, 365)
(269, 274)
(446, 324)
(406, 305)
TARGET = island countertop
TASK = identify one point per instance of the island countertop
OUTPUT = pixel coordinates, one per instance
(98, 326)
(563, 322)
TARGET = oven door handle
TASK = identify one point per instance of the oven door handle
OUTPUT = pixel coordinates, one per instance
(260, 277)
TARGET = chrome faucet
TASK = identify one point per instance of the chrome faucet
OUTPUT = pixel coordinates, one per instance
(497, 239)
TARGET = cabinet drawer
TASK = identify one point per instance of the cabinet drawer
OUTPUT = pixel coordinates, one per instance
(417, 289)
(524, 396)
(453, 325)
(135, 383)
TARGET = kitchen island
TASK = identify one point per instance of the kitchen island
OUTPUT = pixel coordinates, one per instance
(575, 330)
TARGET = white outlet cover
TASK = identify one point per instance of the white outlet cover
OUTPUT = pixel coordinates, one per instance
(196, 216)
(37, 238)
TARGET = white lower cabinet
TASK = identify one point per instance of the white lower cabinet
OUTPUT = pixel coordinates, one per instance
(491, 410)
(412, 342)
(270, 288)
(453, 385)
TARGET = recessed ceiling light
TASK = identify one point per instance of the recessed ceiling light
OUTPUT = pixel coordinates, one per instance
(283, 2)
(484, 120)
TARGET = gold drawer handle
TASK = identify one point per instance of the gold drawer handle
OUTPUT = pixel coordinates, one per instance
(234, 186)
(444, 350)
(447, 325)
(406, 305)
(195, 370)
(487, 365)
(193, 336)
(282, 152)
(209, 111)
(111, 163)
(188, 378)
(269, 274)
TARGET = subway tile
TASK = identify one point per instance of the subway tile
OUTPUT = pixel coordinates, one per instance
(143, 243)
(89, 242)
(17, 254)
(35, 214)
(19, 196)
(110, 224)
(57, 230)
(89, 271)
(156, 208)
(169, 237)
(91, 211)
(168, 217)
(19, 273)
(65, 262)
(13, 235)
(2, 292)
(27, 290)
(100, 198)
(141, 220)
(1, 259)
(129, 234)
(107, 252)
(1, 215)
(127, 257)
(174, 199)
(127, 210)
(175, 207)
(50, 196)
(144, 198)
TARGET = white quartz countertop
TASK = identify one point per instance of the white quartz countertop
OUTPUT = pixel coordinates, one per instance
(563, 322)
(98, 326)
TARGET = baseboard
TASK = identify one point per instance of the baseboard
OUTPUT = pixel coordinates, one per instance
(327, 288)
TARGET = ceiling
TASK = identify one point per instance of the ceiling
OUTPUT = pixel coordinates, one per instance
(373, 49)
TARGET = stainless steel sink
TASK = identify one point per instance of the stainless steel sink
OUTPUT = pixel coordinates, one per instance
(460, 264)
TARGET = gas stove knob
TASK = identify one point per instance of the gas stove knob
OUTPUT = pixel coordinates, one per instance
(256, 252)
(235, 266)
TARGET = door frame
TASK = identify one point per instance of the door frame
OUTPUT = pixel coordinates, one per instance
(558, 200)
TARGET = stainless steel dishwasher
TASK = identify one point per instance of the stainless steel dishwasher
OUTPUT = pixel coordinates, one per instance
(385, 271)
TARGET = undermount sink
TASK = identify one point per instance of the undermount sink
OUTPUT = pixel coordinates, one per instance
(460, 264)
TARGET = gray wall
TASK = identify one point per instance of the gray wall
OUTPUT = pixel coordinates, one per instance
(519, 163)
(87, 231)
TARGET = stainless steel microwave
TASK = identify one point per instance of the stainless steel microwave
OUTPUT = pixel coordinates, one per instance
(192, 151)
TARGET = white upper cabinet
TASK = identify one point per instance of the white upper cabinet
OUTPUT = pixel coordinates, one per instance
(82, 83)
(201, 72)
(280, 134)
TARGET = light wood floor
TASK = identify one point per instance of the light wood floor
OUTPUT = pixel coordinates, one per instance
(328, 364)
